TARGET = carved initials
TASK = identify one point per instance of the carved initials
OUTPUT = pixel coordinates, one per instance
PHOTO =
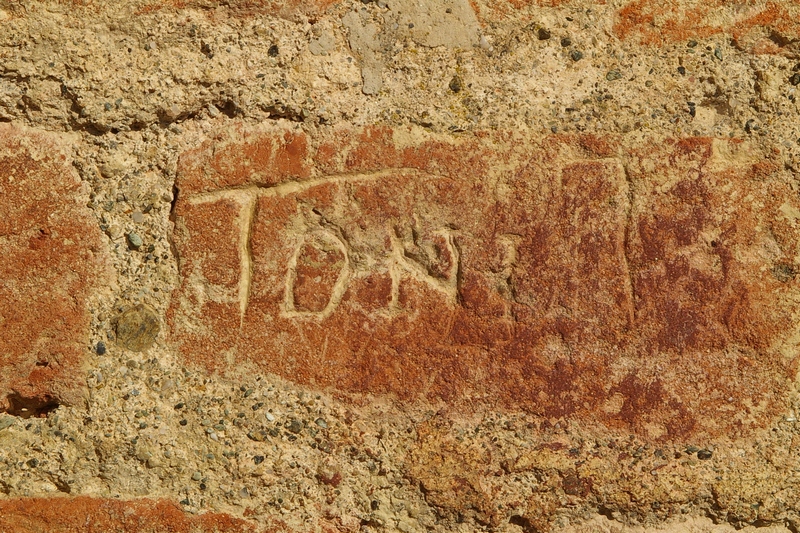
(434, 262)
(401, 265)
(321, 238)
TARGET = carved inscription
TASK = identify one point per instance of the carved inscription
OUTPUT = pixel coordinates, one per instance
(566, 276)
(319, 270)
(311, 294)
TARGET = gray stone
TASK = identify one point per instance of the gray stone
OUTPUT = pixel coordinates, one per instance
(137, 328)
(6, 422)
(134, 241)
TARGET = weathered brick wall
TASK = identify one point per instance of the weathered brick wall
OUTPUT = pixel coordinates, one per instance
(55, 264)
(389, 265)
(493, 269)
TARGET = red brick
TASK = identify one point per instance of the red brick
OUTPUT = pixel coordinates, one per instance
(53, 259)
(758, 27)
(244, 157)
(98, 515)
(566, 276)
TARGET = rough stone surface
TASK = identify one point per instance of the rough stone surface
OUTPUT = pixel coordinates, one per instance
(449, 266)
(53, 264)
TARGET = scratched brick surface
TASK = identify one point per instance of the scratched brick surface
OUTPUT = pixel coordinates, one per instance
(758, 27)
(564, 275)
(52, 262)
(85, 514)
